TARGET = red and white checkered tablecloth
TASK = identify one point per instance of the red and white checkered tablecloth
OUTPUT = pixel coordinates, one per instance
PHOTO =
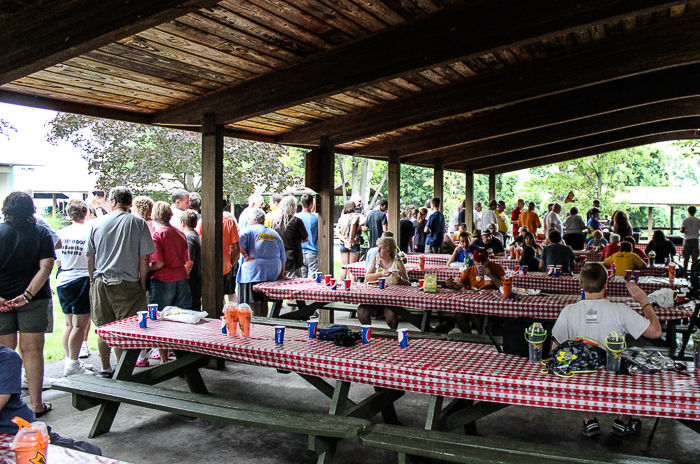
(434, 367)
(590, 255)
(430, 259)
(571, 285)
(414, 272)
(489, 302)
(55, 455)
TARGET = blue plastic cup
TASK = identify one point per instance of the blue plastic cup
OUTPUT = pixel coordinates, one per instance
(142, 318)
(319, 276)
(403, 337)
(366, 333)
(279, 335)
(313, 327)
(636, 275)
(153, 312)
(382, 282)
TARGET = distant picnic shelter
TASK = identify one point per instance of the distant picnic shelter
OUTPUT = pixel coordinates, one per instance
(478, 87)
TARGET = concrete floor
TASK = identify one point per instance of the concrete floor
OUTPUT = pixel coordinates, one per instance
(145, 436)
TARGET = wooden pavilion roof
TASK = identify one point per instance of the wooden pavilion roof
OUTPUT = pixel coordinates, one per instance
(478, 85)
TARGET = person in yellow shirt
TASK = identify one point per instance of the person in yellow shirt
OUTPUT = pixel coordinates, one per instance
(274, 203)
(625, 260)
(502, 220)
(530, 219)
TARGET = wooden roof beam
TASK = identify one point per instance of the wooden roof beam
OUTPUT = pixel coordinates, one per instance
(582, 143)
(474, 29)
(653, 47)
(608, 122)
(51, 32)
(597, 150)
(631, 92)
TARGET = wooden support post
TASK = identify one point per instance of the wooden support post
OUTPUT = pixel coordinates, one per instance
(469, 196)
(439, 181)
(320, 173)
(394, 193)
(671, 231)
(492, 185)
(212, 215)
(53, 205)
(650, 223)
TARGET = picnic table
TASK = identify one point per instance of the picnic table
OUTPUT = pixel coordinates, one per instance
(55, 455)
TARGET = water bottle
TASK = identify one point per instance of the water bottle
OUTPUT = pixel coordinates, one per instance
(583, 294)
(535, 336)
(615, 344)
(696, 348)
(466, 260)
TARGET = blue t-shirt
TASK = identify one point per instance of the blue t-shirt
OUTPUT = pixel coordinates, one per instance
(459, 258)
(310, 220)
(494, 245)
(11, 384)
(436, 224)
(371, 253)
(266, 246)
(595, 243)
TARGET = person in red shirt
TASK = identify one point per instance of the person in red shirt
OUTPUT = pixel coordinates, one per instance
(612, 247)
(515, 215)
(169, 282)
(483, 275)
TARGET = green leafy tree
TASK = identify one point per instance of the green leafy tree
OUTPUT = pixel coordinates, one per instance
(155, 160)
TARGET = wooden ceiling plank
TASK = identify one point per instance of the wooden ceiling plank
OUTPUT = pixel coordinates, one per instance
(304, 114)
(380, 10)
(27, 96)
(108, 80)
(378, 92)
(406, 8)
(324, 108)
(631, 92)
(301, 18)
(356, 14)
(434, 77)
(143, 56)
(328, 15)
(277, 24)
(131, 74)
(259, 50)
(47, 33)
(253, 29)
(392, 88)
(439, 39)
(466, 71)
(429, 6)
(670, 43)
(406, 85)
(340, 104)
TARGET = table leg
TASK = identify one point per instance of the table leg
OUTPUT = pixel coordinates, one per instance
(382, 400)
(323, 446)
(671, 336)
(304, 312)
(276, 308)
(425, 325)
(108, 410)
(324, 387)
(686, 335)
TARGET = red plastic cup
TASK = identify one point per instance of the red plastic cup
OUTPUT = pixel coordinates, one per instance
(332, 284)
(348, 282)
(516, 268)
(420, 283)
(328, 280)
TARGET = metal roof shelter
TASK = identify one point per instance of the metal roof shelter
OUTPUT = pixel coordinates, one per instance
(476, 86)
(659, 196)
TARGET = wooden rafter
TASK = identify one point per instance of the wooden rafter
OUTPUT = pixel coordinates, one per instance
(465, 32)
(47, 33)
(670, 43)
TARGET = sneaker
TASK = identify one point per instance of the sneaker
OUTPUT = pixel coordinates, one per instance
(142, 362)
(88, 367)
(591, 428)
(84, 351)
(76, 369)
(46, 384)
(105, 374)
(619, 429)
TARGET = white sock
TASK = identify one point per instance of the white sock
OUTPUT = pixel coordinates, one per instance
(70, 362)
(107, 370)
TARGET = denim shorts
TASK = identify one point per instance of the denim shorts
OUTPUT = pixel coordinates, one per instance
(75, 296)
(355, 248)
(170, 294)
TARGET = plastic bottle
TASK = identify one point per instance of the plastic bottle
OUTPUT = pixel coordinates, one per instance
(231, 314)
(466, 260)
(615, 344)
(535, 336)
(696, 348)
(31, 442)
(244, 315)
(421, 262)
(671, 272)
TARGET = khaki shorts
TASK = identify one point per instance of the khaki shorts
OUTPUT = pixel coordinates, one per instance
(30, 318)
(112, 303)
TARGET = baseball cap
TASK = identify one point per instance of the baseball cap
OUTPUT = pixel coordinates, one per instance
(480, 254)
(486, 232)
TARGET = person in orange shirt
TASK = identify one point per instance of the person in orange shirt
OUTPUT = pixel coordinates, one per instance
(530, 219)
(231, 253)
(483, 275)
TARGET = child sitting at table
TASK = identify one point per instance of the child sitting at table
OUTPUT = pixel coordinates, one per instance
(483, 275)
(461, 250)
(528, 259)
(593, 319)
(597, 243)
(625, 260)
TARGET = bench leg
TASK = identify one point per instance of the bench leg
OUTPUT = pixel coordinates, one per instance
(108, 410)
(324, 448)
(276, 308)
(425, 325)
(381, 401)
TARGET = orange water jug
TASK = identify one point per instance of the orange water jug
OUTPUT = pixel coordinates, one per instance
(231, 314)
(31, 442)
(244, 315)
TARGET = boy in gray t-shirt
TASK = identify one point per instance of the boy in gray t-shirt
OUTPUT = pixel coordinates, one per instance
(594, 318)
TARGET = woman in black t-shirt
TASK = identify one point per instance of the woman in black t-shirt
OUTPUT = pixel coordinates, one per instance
(293, 233)
(663, 247)
(419, 229)
(26, 260)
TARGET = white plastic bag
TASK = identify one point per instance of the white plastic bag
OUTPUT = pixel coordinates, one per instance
(662, 297)
(173, 313)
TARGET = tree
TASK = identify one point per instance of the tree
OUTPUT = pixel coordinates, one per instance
(364, 175)
(6, 128)
(155, 160)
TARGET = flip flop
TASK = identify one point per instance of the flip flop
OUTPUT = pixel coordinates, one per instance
(47, 407)
(155, 354)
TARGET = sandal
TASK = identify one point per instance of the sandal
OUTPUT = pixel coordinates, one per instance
(47, 407)
(155, 354)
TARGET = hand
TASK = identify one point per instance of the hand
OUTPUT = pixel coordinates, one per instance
(248, 258)
(16, 302)
(385, 273)
(449, 281)
(637, 293)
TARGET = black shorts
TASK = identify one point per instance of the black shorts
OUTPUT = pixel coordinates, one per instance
(230, 280)
(247, 295)
(75, 296)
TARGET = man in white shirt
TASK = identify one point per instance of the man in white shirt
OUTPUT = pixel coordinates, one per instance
(690, 228)
(477, 216)
(181, 201)
(254, 201)
(489, 217)
(454, 220)
(552, 219)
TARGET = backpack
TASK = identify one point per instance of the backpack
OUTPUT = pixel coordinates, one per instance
(574, 356)
(332, 332)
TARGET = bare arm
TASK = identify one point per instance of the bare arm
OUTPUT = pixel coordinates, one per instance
(235, 252)
(188, 266)
(38, 281)
(654, 329)
(143, 269)
(91, 265)
(281, 276)
(153, 267)
(3, 400)
(404, 275)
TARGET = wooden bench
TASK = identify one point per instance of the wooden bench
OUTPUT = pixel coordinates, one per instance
(431, 444)
(324, 430)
